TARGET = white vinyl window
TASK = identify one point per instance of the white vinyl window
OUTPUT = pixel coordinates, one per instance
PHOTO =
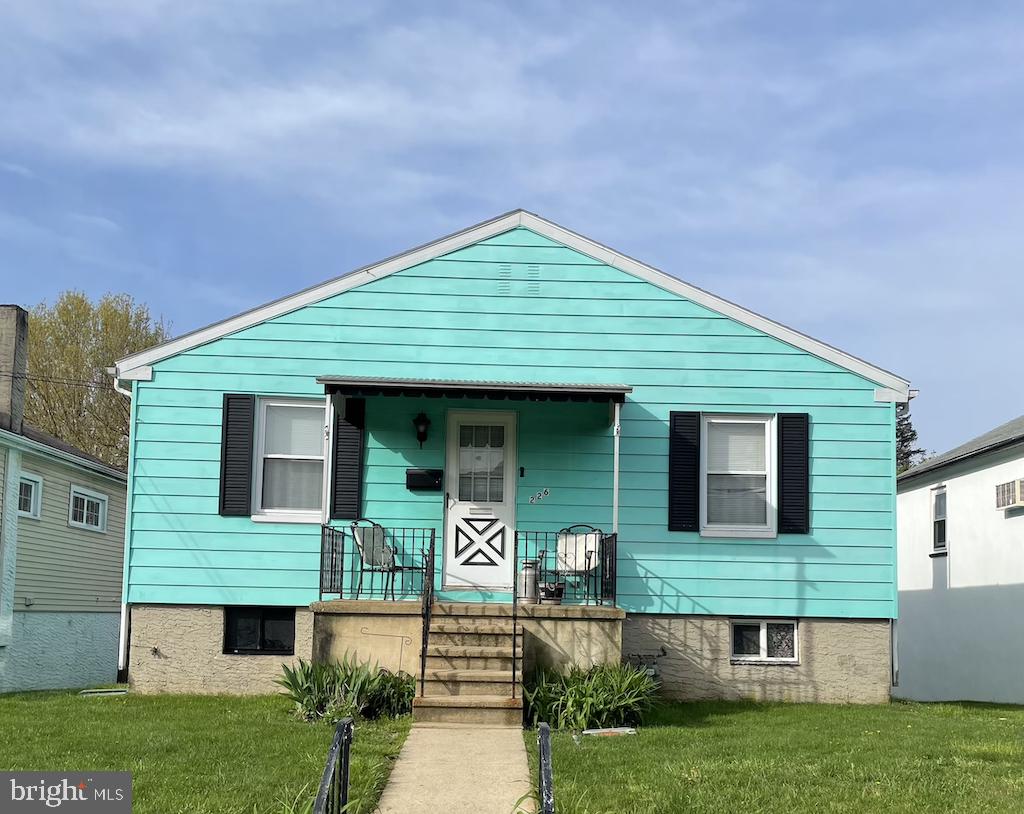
(289, 465)
(737, 476)
(939, 519)
(87, 509)
(30, 493)
(766, 640)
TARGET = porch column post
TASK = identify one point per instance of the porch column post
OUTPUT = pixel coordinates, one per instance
(616, 432)
(325, 498)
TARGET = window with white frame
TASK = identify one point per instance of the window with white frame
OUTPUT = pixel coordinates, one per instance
(939, 518)
(289, 463)
(764, 640)
(87, 509)
(30, 494)
(737, 480)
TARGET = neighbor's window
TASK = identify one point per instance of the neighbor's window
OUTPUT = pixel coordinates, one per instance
(939, 518)
(737, 482)
(30, 492)
(87, 509)
(290, 457)
(267, 631)
(764, 640)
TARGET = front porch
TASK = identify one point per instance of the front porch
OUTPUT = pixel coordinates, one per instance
(469, 658)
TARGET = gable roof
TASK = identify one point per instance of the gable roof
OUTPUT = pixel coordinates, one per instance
(42, 442)
(1005, 435)
(133, 367)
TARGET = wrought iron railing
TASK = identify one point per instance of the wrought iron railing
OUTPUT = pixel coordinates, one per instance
(576, 565)
(426, 612)
(545, 784)
(332, 796)
(365, 560)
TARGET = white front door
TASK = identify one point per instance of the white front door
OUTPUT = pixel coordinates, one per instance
(480, 482)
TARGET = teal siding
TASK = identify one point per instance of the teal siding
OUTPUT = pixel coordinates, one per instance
(484, 312)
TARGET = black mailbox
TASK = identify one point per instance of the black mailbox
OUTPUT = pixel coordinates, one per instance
(424, 480)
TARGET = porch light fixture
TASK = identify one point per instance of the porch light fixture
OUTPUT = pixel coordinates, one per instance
(422, 424)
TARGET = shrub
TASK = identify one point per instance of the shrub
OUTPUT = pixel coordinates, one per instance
(346, 689)
(600, 696)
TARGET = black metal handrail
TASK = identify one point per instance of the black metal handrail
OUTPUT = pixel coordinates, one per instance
(545, 785)
(367, 560)
(428, 608)
(332, 796)
(576, 564)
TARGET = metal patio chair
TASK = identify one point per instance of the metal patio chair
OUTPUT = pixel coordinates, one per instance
(577, 556)
(375, 556)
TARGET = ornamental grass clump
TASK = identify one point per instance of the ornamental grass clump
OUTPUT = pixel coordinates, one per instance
(332, 691)
(601, 696)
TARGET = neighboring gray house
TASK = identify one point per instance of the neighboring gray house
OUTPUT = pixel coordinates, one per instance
(61, 544)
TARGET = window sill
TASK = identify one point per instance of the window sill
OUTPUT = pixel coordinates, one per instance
(726, 531)
(765, 662)
(309, 519)
(84, 527)
(28, 516)
(944, 552)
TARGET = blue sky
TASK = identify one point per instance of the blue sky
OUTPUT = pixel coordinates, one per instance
(853, 170)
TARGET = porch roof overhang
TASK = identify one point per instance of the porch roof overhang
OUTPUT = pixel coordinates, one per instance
(456, 388)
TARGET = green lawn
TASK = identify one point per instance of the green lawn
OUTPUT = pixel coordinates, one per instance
(744, 757)
(195, 754)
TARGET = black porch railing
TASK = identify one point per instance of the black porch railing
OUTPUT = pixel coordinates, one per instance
(575, 565)
(332, 796)
(365, 560)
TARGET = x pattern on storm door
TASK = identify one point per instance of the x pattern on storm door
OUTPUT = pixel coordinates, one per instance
(481, 541)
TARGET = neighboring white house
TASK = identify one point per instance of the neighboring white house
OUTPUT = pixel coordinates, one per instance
(960, 519)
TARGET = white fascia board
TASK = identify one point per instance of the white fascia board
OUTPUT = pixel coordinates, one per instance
(20, 442)
(503, 223)
(725, 307)
(316, 293)
(137, 374)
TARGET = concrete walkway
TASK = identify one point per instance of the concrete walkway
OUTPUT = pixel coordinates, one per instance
(458, 769)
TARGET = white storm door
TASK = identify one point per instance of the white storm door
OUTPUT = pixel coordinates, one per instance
(480, 483)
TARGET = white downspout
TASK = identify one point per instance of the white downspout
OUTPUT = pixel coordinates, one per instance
(616, 432)
(122, 632)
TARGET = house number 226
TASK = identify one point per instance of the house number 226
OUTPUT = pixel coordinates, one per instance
(537, 498)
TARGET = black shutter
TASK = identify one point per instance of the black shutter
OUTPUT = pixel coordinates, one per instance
(237, 422)
(794, 473)
(347, 476)
(683, 471)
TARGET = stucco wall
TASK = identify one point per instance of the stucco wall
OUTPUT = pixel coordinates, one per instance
(962, 610)
(179, 649)
(59, 650)
(386, 633)
(841, 661)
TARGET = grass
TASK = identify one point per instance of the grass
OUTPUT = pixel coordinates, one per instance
(725, 756)
(195, 754)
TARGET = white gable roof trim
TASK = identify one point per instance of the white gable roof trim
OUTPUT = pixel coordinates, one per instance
(132, 367)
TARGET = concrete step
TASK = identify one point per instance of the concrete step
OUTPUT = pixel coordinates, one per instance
(448, 682)
(489, 627)
(503, 663)
(479, 710)
(470, 651)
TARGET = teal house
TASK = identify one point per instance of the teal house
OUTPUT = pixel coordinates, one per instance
(511, 446)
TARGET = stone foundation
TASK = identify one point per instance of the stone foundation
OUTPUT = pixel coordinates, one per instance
(841, 660)
(179, 649)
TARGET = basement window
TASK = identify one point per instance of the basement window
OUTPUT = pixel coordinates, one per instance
(769, 641)
(252, 631)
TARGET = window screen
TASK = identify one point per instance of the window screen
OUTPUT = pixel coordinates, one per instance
(259, 630)
(737, 473)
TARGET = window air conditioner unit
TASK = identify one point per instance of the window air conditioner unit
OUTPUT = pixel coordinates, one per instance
(1010, 495)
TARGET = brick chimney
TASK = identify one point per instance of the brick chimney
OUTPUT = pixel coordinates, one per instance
(13, 366)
